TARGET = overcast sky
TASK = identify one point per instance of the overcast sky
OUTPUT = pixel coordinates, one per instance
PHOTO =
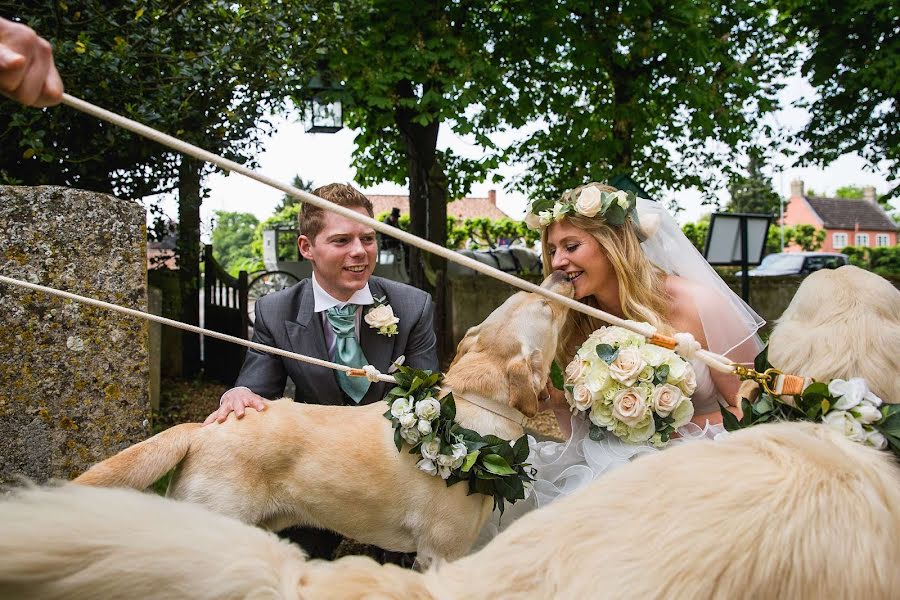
(325, 158)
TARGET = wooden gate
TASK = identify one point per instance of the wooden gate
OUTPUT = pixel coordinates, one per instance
(225, 311)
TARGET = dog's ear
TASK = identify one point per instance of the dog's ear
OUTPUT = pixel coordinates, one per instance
(525, 379)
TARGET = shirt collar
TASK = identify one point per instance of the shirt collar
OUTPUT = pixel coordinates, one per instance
(324, 300)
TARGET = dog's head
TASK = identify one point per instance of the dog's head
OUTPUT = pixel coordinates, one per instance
(510, 353)
(842, 323)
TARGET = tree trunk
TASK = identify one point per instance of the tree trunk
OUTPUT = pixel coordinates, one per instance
(188, 251)
(427, 211)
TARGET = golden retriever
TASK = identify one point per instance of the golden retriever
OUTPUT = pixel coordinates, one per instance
(337, 467)
(842, 323)
(805, 513)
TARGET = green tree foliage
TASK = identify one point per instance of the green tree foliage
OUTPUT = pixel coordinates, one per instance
(480, 233)
(849, 191)
(883, 260)
(285, 218)
(753, 193)
(667, 92)
(231, 241)
(207, 72)
(299, 183)
(852, 63)
(806, 236)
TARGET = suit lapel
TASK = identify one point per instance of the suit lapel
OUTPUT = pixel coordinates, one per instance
(307, 337)
(379, 349)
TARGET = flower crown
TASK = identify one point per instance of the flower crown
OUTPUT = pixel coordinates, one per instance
(612, 207)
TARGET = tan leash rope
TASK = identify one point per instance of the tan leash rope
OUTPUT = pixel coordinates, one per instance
(192, 328)
(713, 360)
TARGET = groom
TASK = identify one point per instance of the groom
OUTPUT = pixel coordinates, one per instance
(340, 314)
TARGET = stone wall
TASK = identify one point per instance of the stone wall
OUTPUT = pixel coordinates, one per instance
(73, 378)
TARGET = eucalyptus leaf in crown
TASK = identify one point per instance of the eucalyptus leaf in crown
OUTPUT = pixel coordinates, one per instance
(847, 406)
(426, 423)
(590, 201)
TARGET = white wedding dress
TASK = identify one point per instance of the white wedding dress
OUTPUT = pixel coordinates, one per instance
(564, 467)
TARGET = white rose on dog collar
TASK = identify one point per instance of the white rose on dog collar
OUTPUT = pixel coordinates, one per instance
(381, 317)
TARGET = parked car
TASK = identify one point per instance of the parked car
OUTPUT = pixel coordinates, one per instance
(798, 263)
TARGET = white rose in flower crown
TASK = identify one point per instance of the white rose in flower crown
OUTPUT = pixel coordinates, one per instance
(532, 221)
(430, 450)
(876, 440)
(619, 197)
(545, 217)
(428, 409)
(559, 209)
(424, 427)
(381, 316)
(582, 398)
(665, 398)
(844, 423)
(428, 466)
(630, 406)
(575, 370)
(401, 406)
(410, 435)
(848, 393)
(627, 366)
(408, 420)
(589, 202)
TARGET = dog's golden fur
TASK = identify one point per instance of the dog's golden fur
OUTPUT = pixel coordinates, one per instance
(337, 467)
(842, 323)
(805, 514)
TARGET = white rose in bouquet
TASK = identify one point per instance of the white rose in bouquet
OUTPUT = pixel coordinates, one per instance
(410, 435)
(428, 409)
(598, 378)
(843, 422)
(848, 393)
(459, 452)
(619, 336)
(589, 202)
(630, 406)
(575, 370)
(430, 450)
(688, 384)
(866, 413)
(424, 427)
(683, 413)
(653, 355)
(428, 466)
(381, 316)
(665, 398)
(677, 368)
(876, 440)
(627, 366)
(408, 420)
(582, 398)
(601, 415)
(401, 406)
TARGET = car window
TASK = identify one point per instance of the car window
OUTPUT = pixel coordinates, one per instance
(814, 263)
(786, 262)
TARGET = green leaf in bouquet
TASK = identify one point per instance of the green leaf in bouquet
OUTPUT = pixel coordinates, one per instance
(448, 407)
(471, 457)
(483, 474)
(416, 384)
(520, 450)
(510, 488)
(387, 415)
(661, 375)
(763, 405)
(607, 353)
(398, 439)
(747, 410)
(452, 479)
(815, 392)
(826, 406)
(493, 440)
(497, 465)
(556, 376)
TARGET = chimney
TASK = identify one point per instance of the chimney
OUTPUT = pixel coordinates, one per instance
(869, 193)
(796, 188)
(492, 197)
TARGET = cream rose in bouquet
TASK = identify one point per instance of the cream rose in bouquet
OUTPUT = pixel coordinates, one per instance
(637, 391)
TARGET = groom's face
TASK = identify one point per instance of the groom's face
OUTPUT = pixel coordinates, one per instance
(343, 254)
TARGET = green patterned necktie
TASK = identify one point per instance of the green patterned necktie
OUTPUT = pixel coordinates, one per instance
(347, 350)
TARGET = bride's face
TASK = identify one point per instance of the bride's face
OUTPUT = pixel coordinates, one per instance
(580, 256)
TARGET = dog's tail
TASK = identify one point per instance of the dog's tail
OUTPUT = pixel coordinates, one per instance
(139, 466)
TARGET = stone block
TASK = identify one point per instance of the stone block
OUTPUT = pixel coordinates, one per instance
(73, 378)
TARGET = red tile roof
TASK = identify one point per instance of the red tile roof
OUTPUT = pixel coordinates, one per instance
(841, 213)
(464, 208)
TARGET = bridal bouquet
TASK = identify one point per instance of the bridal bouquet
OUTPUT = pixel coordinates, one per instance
(637, 391)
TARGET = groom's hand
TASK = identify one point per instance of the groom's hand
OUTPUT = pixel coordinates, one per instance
(236, 400)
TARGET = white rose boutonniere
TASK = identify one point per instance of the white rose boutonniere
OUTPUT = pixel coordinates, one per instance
(381, 317)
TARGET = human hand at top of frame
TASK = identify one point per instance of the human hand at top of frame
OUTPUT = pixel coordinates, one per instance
(27, 71)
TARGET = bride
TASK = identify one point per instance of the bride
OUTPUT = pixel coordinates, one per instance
(640, 268)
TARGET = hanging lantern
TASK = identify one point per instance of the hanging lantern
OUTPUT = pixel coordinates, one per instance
(323, 113)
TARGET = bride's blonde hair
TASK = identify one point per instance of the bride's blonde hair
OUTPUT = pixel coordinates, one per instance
(642, 289)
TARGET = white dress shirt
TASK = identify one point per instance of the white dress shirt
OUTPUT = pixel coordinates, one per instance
(324, 301)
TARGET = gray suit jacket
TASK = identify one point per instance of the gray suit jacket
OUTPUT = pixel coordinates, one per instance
(286, 320)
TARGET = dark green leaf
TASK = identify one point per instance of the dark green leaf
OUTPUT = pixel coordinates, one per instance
(556, 376)
(497, 465)
(597, 433)
(730, 421)
(607, 353)
(448, 407)
(761, 363)
(520, 450)
(398, 439)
